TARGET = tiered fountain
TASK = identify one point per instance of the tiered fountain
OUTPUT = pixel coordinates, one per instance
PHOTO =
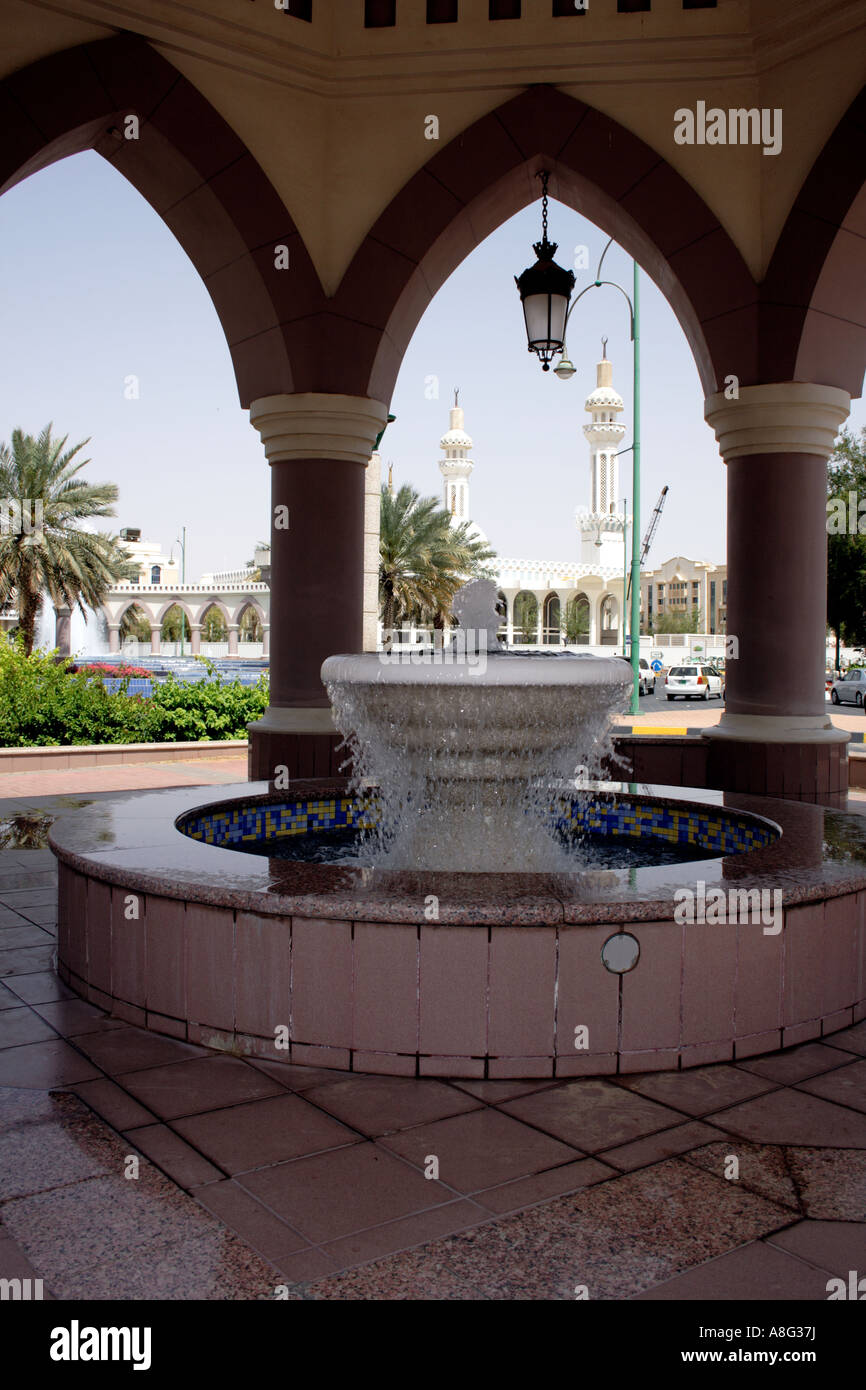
(472, 904)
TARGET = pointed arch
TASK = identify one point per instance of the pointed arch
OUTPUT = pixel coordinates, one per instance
(486, 174)
(813, 310)
(192, 168)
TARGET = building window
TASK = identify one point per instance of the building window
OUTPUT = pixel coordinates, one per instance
(380, 14)
(631, 6)
(299, 9)
(441, 11)
(504, 9)
(563, 8)
(156, 574)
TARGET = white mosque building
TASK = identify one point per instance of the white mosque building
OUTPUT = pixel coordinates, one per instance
(549, 601)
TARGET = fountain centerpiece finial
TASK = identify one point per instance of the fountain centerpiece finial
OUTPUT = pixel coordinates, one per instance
(474, 607)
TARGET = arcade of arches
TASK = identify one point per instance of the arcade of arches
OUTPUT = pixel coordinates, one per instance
(256, 132)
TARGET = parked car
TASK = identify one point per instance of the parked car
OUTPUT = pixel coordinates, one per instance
(647, 682)
(849, 689)
(696, 682)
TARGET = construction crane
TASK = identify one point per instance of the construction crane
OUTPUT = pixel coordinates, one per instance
(650, 532)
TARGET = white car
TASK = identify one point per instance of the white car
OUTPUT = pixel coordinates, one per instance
(693, 682)
(850, 689)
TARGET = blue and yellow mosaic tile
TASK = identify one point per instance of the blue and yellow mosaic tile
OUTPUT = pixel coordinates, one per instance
(727, 832)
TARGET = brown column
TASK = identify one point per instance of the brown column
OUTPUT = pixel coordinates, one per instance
(776, 736)
(155, 639)
(233, 639)
(318, 447)
(114, 637)
(195, 638)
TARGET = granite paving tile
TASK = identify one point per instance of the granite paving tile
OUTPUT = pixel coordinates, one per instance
(834, 1246)
(481, 1149)
(129, 1049)
(668, 1143)
(345, 1190)
(272, 1237)
(794, 1117)
(112, 1104)
(72, 1017)
(757, 1272)
(169, 1152)
(698, 1090)
(19, 1026)
(40, 987)
(379, 1104)
(796, 1063)
(44, 1064)
(845, 1085)
(850, 1039)
(255, 1135)
(204, 1083)
(592, 1114)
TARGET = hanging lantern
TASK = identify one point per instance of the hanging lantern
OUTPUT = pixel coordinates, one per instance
(545, 290)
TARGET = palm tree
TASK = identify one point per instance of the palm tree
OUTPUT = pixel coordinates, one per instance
(49, 552)
(423, 559)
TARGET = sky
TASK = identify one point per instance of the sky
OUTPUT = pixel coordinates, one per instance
(95, 290)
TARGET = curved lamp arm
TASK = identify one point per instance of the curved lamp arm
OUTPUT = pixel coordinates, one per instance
(596, 284)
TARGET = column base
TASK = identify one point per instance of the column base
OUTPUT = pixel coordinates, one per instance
(303, 741)
(816, 770)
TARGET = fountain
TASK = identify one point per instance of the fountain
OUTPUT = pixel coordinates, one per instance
(464, 743)
(475, 902)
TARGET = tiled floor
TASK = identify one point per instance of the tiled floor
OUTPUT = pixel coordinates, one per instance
(136, 1166)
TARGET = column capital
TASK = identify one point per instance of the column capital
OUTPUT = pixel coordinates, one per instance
(315, 424)
(783, 417)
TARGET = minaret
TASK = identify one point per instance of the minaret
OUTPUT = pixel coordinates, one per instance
(455, 466)
(601, 528)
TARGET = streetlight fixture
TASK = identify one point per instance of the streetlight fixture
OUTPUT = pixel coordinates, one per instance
(545, 290)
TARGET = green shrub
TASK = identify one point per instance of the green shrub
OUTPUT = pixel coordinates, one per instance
(184, 711)
(43, 702)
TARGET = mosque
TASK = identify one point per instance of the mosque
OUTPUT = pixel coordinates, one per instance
(575, 602)
(551, 601)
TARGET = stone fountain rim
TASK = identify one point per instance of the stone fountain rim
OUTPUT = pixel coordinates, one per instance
(154, 857)
(491, 670)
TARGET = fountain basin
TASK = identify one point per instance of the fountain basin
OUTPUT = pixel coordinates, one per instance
(461, 974)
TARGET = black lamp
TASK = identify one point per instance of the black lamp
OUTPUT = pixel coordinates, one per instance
(545, 290)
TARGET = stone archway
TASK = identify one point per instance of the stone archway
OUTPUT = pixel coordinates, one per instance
(192, 168)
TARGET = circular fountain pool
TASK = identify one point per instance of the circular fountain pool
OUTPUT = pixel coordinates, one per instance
(438, 973)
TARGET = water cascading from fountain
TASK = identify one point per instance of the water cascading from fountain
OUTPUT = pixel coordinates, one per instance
(462, 749)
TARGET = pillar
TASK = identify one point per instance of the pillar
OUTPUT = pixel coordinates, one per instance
(318, 447)
(372, 511)
(195, 638)
(266, 639)
(155, 639)
(62, 629)
(233, 639)
(776, 735)
(539, 620)
(114, 637)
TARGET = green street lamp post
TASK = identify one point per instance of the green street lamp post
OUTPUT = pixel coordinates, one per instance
(545, 291)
